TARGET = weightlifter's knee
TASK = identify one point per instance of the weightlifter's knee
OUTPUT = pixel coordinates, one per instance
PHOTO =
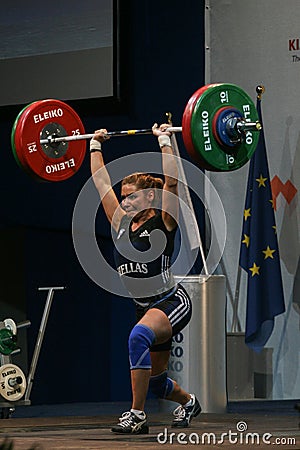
(140, 340)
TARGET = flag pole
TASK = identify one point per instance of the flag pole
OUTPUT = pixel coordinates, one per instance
(235, 325)
(259, 250)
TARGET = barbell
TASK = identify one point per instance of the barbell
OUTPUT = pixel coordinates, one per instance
(219, 127)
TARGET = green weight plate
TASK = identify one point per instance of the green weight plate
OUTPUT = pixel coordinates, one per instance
(18, 158)
(16, 146)
(17, 150)
(7, 342)
(205, 143)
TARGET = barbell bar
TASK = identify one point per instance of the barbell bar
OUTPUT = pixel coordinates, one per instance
(220, 128)
(52, 139)
(233, 127)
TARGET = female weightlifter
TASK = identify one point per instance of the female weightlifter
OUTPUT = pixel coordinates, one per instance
(163, 309)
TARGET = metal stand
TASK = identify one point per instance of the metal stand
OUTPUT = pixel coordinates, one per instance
(198, 356)
(9, 407)
(40, 337)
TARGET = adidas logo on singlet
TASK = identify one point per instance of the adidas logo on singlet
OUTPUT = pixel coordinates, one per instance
(144, 234)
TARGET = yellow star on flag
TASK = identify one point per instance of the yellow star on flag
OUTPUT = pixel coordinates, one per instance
(261, 181)
(254, 269)
(247, 213)
(268, 253)
(246, 240)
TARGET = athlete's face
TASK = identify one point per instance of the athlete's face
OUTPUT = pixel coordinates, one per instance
(135, 202)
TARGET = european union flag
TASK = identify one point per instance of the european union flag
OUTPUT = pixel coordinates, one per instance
(259, 255)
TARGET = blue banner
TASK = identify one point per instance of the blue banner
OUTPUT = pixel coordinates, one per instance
(259, 253)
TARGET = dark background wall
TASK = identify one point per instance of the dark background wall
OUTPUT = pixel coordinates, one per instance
(84, 353)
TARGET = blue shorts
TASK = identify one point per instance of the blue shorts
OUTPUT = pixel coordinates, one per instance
(178, 309)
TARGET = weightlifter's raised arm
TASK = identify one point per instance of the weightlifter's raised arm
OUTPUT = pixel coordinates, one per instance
(102, 179)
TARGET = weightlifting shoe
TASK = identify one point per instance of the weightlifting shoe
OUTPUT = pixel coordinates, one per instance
(184, 413)
(130, 423)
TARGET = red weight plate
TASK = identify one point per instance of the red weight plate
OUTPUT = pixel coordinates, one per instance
(186, 122)
(186, 126)
(44, 161)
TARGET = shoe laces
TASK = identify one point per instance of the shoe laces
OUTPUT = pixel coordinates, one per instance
(179, 412)
(126, 419)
